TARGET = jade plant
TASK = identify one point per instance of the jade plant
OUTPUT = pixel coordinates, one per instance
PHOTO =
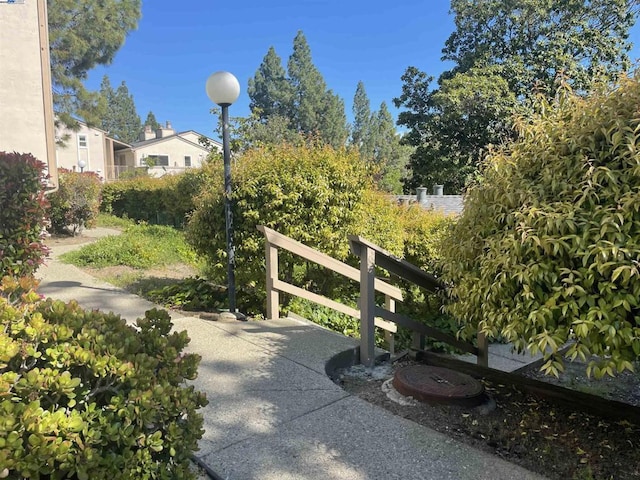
(85, 395)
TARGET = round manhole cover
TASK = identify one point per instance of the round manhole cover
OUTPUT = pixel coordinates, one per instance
(439, 385)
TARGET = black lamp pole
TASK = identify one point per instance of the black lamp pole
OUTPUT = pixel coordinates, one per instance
(223, 89)
(228, 214)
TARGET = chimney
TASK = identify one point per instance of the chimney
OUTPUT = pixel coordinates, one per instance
(165, 131)
(438, 190)
(147, 133)
(421, 195)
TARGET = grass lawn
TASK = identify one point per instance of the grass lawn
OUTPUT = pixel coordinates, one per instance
(152, 261)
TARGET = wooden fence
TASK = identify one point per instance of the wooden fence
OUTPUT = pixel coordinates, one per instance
(275, 240)
(369, 314)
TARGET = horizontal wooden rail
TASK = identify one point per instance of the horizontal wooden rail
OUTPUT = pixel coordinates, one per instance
(423, 329)
(275, 240)
(282, 241)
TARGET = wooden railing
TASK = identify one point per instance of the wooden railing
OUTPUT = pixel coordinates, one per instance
(371, 256)
(275, 286)
(369, 314)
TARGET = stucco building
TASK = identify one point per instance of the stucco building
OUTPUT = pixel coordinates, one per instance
(26, 121)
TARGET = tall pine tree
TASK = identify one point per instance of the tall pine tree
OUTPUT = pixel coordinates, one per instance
(374, 134)
(293, 103)
(120, 119)
(83, 34)
(151, 122)
(270, 90)
(316, 110)
(361, 127)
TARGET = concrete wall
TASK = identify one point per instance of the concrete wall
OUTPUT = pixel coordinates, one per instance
(26, 119)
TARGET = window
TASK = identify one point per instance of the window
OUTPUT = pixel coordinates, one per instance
(82, 141)
(187, 160)
(156, 161)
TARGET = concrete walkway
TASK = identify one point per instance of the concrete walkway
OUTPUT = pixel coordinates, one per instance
(274, 415)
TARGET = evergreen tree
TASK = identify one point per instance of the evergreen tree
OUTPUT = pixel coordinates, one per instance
(374, 134)
(361, 127)
(120, 119)
(270, 90)
(151, 122)
(333, 121)
(287, 105)
(389, 155)
(83, 34)
(315, 110)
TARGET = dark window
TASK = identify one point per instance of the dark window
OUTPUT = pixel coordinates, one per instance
(187, 160)
(158, 160)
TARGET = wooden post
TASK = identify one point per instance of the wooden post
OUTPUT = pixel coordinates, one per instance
(367, 306)
(483, 350)
(390, 304)
(418, 341)
(273, 296)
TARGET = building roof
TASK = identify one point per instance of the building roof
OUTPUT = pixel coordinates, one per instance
(447, 204)
(178, 135)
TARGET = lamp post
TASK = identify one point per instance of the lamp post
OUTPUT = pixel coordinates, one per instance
(223, 89)
(82, 164)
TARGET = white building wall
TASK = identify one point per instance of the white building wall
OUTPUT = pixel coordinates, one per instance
(176, 149)
(26, 122)
(92, 150)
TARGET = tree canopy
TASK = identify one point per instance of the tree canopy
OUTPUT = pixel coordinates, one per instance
(504, 54)
(151, 122)
(83, 34)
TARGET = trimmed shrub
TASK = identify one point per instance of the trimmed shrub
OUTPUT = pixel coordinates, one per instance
(22, 214)
(167, 200)
(83, 395)
(313, 194)
(547, 248)
(76, 203)
(318, 196)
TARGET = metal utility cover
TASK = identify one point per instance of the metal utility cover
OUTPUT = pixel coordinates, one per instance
(438, 385)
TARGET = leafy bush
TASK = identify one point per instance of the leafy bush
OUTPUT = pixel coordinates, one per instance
(84, 395)
(76, 203)
(22, 214)
(547, 248)
(167, 200)
(310, 193)
(139, 246)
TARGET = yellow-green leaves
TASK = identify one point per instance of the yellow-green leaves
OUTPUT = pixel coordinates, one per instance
(78, 388)
(547, 249)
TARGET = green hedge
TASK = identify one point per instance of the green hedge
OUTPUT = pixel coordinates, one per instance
(22, 214)
(83, 395)
(311, 193)
(317, 195)
(167, 200)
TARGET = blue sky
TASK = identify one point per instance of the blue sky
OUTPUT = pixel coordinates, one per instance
(177, 45)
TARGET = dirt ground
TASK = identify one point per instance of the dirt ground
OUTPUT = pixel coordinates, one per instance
(540, 435)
